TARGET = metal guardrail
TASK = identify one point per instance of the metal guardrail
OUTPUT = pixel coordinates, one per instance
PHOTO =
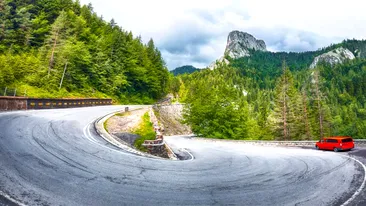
(358, 142)
(34, 103)
(24, 103)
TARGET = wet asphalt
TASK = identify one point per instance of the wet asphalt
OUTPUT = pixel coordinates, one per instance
(55, 157)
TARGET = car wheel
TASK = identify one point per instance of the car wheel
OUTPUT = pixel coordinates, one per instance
(336, 149)
(316, 147)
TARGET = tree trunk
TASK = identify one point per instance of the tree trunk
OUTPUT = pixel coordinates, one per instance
(307, 127)
(285, 84)
(284, 118)
(63, 75)
(320, 110)
(52, 55)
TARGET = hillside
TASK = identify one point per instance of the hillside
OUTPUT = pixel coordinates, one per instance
(187, 69)
(272, 61)
(275, 95)
(42, 41)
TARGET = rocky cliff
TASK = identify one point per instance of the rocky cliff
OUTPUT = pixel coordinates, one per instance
(239, 43)
(336, 56)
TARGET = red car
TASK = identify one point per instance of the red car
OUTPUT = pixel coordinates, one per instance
(335, 143)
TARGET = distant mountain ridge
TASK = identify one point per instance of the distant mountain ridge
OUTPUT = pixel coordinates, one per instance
(241, 45)
(244, 50)
(187, 69)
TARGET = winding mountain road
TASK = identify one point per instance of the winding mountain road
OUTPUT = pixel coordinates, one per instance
(55, 157)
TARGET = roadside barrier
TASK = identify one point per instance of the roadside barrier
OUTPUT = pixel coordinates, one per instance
(358, 142)
(24, 103)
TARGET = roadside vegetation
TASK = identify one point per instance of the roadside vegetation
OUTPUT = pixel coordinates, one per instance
(146, 132)
(105, 124)
(43, 42)
(276, 102)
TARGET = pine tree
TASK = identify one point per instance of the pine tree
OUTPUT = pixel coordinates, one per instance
(318, 100)
(285, 109)
(305, 114)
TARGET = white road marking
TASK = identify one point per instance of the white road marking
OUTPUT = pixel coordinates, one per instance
(11, 199)
(362, 185)
(192, 157)
(126, 150)
(88, 135)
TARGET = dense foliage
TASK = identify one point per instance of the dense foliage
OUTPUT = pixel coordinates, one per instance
(40, 40)
(215, 105)
(187, 69)
(275, 96)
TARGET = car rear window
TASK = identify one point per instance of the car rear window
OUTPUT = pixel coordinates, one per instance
(347, 140)
(331, 140)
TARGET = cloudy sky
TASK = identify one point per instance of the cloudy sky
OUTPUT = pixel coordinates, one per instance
(194, 32)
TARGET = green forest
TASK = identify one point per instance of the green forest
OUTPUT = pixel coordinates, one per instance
(59, 48)
(275, 96)
(187, 69)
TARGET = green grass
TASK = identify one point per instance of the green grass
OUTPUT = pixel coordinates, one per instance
(105, 125)
(146, 132)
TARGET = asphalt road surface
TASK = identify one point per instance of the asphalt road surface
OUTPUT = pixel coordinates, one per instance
(54, 157)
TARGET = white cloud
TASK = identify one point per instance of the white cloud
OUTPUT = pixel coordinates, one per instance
(194, 31)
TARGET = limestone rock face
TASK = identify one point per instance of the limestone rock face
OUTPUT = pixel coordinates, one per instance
(239, 43)
(336, 56)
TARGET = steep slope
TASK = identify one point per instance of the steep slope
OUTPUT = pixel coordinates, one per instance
(42, 40)
(240, 43)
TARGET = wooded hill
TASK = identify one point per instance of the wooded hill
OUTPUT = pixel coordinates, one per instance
(187, 69)
(276, 96)
(40, 39)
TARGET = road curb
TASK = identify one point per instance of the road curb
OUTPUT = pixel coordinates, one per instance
(99, 128)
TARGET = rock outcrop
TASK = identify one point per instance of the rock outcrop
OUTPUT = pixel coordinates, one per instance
(336, 56)
(239, 43)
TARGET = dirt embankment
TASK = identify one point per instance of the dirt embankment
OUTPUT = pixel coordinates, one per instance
(122, 124)
(170, 116)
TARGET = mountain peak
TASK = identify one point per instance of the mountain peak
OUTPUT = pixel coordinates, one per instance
(239, 43)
